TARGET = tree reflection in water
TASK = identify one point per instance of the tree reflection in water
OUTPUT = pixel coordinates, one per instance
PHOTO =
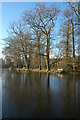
(31, 94)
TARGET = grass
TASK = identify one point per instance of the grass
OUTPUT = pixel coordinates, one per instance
(34, 70)
(44, 70)
(10, 68)
(18, 69)
(52, 70)
(37, 70)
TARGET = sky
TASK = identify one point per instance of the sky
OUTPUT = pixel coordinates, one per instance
(12, 11)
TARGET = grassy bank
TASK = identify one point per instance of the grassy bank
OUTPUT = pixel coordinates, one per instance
(34, 70)
(54, 70)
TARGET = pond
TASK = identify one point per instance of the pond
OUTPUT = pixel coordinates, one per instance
(40, 95)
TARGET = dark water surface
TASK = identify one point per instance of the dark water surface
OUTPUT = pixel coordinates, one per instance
(40, 95)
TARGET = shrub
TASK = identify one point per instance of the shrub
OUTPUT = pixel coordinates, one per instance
(67, 67)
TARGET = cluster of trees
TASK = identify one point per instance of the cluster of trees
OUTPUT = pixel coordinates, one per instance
(31, 40)
(69, 32)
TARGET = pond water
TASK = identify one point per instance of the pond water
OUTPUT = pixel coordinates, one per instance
(40, 95)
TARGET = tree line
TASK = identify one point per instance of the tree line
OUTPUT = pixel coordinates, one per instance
(30, 41)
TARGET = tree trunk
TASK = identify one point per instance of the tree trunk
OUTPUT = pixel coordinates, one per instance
(26, 65)
(25, 54)
(40, 63)
(47, 53)
(73, 45)
(67, 48)
(29, 59)
(39, 53)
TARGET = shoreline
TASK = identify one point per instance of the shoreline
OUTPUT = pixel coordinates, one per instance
(37, 70)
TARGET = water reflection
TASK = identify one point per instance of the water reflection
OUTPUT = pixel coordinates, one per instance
(60, 75)
(48, 82)
(75, 97)
(30, 94)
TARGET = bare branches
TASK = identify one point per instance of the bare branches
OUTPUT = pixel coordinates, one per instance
(75, 11)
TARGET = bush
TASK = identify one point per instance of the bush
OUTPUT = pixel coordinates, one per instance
(78, 68)
(67, 67)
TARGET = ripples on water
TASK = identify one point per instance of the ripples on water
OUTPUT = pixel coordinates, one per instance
(39, 95)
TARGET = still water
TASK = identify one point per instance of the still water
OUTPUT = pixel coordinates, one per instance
(40, 95)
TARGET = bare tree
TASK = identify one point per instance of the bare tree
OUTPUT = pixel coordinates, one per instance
(31, 20)
(75, 8)
(44, 19)
(71, 18)
(18, 37)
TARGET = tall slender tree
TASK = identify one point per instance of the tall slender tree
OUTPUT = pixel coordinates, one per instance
(71, 18)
